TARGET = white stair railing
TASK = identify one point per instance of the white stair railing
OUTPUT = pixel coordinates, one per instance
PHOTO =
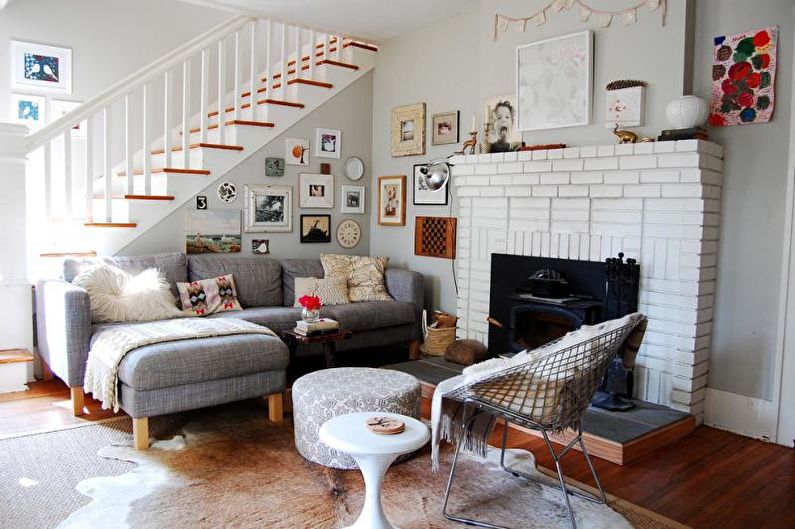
(128, 142)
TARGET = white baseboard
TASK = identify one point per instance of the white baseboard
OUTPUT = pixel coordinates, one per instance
(747, 416)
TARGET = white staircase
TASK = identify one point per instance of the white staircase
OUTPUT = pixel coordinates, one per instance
(130, 164)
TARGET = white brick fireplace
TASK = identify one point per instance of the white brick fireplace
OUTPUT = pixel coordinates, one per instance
(656, 202)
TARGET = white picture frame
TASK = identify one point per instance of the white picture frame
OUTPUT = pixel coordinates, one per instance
(59, 107)
(422, 196)
(41, 68)
(269, 208)
(625, 107)
(353, 199)
(316, 191)
(28, 109)
(328, 143)
(296, 151)
(552, 95)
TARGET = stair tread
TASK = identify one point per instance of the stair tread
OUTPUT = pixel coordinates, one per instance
(91, 253)
(233, 122)
(13, 356)
(310, 82)
(220, 146)
(136, 197)
(110, 225)
(167, 170)
(281, 102)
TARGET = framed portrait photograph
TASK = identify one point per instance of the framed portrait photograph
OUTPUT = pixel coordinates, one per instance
(408, 130)
(392, 200)
(315, 228)
(423, 196)
(28, 109)
(269, 208)
(41, 68)
(502, 134)
(553, 82)
(444, 128)
(353, 199)
(274, 166)
(328, 143)
(213, 231)
(296, 151)
(316, 191)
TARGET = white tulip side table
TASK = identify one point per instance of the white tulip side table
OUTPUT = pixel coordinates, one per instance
(373, 453)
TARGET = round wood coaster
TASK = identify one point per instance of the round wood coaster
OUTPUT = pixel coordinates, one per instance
(385, 425)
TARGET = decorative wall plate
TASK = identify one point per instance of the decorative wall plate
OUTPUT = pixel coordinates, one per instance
(349, 233)
(227, 192)
(354, 168)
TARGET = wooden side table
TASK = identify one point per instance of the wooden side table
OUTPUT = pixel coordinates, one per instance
(328, 341)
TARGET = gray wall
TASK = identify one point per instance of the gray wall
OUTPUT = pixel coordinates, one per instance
(351, 112)
(754, 193)
(104, 50)
(468, 66)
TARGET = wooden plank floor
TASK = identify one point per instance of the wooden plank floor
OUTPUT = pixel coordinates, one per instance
(710, 479)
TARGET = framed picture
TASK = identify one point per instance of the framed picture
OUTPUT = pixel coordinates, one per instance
(316, 190)
(502, 134)
(624, 107)
(59, 108)
(392, 200)
(553, 82)
(408, 130)
(328, 143)
(260, 246)
(444, 128)
(297, 151)
(201, 202)
(274, 166)
(353, 199)
(28, 109)
(40, 67)
(315, 228)
(213, 231)
(424, 196)
(269, 208)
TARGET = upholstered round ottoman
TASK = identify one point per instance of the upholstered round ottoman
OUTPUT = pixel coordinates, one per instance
(319, 396)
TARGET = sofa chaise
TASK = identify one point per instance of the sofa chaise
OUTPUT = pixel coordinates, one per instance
(181, 375)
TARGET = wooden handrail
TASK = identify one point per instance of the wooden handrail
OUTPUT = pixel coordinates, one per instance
(133, 81)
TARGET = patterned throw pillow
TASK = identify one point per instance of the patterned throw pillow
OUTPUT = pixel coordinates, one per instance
(207, 296)
(365, 275)
(331, 290)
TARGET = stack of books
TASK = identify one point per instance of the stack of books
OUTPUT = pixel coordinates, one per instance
(695, 133)
(316, 328)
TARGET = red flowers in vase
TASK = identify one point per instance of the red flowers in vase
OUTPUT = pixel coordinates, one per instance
(310, 302)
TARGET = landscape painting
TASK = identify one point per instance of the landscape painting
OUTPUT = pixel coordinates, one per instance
(213, 231)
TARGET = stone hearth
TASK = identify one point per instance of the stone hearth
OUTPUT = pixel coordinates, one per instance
(656, 202)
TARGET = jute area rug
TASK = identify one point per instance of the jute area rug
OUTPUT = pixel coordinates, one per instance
(229, 467)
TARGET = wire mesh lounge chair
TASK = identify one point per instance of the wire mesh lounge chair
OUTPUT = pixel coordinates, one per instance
(549, 395)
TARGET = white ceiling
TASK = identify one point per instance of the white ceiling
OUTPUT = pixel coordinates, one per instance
(375, 20)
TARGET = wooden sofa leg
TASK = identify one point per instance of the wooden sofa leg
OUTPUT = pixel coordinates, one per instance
(414, 350)
(275, 407)
(78, 401)
(141, 433)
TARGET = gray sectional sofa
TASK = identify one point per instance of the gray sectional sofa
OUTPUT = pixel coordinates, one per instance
(177, 376)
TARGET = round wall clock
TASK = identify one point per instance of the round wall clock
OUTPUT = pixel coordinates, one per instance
(227, 192)
(348, 233)
(354, 168)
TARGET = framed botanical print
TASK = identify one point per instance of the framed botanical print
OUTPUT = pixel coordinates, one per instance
(28, 109)
(444, 128)
(408, 130)
(315, 228)
(296, 151)
(423, 196)
(42, 68)
(353, 199)
(392, 200)
(269, 208)
(316, 191)
(328, 143)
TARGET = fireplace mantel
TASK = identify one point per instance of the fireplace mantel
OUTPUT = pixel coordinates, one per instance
(657, 202)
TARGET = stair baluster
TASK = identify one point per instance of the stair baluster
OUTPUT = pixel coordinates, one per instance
(67, 174)
(89, 170)
(129, 154)
(167, 135)
(298, 55)
(146, 148)
(254, 72)
(236, 84)
(267, 77)
(312, 53)
(107, 164)
(285, 67)
(203, 110)
(186, 72)
(221, 93)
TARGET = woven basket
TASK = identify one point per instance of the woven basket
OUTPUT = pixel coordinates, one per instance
(436, 339)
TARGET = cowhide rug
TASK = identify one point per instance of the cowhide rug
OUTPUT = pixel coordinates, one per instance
(245, 472)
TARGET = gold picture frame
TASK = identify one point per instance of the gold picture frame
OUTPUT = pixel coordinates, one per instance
(392, 200)
(408, 130)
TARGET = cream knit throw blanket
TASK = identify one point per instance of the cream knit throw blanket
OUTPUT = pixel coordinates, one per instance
(111, 344)
(447, 413)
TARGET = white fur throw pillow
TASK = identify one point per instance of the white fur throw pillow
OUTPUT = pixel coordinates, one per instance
(117, 296)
